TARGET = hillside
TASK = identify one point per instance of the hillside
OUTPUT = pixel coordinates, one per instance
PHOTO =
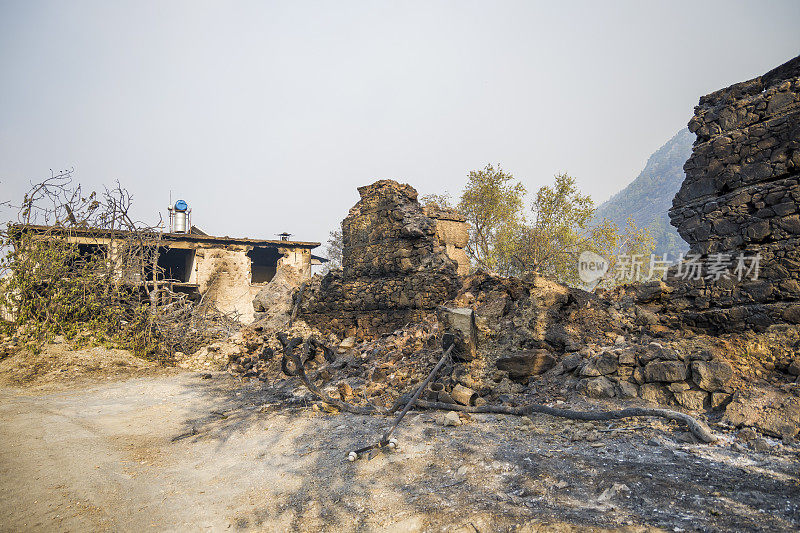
(648, 198)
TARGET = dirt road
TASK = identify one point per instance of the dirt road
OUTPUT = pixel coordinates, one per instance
(176, 452)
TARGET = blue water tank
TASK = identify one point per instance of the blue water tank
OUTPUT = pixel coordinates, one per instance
(180, 205)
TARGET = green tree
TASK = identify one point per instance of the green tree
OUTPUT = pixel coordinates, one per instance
(610, 242)
(561, 228)
(549, 243)
(493, 204)
(558, 231)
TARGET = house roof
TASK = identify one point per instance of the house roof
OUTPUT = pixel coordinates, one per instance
(175, 237)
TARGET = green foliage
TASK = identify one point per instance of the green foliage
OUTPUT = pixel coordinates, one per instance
(558, 231)
(79, 265)
(52, 288)
(492, 203)
(610, 242)
(560, 228)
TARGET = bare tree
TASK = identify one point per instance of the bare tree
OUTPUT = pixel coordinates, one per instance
(334, 250)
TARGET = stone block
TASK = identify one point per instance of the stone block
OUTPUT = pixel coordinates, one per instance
(599, 387)
(521, 365)
(655, 393)
(711, 376)
(665, 371)
(694, 400)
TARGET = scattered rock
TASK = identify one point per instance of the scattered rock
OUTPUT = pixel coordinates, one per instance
(738, 448)
(571, 361)
(628, 389)
(450, 418)
(771, 412)
(601, 365)
(612, 492)
(719, 400)
(747, 435)
(761, 445)
(650, 291)
(656, 351)
(347, 344)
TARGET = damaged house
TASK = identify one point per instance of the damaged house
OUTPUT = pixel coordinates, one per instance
(225, 271)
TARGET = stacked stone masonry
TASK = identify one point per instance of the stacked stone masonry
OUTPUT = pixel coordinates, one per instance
(696, 380)
(741, 196)
(395, 266)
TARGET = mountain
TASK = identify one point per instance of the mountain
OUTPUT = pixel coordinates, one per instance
(648, 198)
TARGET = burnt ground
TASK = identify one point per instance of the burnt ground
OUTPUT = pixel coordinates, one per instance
(177, 451)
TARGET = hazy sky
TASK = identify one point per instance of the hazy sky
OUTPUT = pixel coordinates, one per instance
(265, 116)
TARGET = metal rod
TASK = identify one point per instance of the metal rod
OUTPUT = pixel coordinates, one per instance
(414, 398)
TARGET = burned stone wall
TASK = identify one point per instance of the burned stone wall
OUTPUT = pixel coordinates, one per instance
(741, 197)
(224, 276)
(395, 269)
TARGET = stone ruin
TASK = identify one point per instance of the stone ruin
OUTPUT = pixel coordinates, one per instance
(663, 343)
(741, 196)
(400, 262)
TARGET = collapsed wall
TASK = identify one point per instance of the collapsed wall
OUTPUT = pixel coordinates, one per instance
(395, 267)
(740, 200)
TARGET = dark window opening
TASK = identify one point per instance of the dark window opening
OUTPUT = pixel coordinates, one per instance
(89, 254)
(91, 250)
(175, 264)
(263, 264)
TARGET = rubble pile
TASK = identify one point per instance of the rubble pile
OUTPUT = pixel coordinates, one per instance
(741, 197)
(537, 337)
(518, 314)
(273, 303)
(395, 269)
(377, 371)
(525, 328)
